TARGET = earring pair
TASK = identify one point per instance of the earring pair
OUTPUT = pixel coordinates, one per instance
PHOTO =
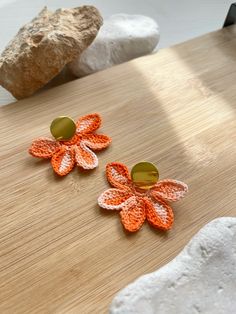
(138, 195)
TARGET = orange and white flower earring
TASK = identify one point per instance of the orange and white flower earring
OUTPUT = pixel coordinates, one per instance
(73, 143)
(141, 196)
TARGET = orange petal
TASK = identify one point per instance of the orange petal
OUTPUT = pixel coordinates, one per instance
(118, 175)
(74, 140)
(96, 141)
(63, 161)
(84, 157)
(115, 199)
(169, 190)
(159, 214)
(44, 148)
(88, 124)
(133, 215)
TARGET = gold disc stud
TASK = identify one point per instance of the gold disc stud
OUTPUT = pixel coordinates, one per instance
(63, 128)
(144, 175)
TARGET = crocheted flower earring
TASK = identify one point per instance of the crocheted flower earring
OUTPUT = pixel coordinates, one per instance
(140, 197)
(73, 143)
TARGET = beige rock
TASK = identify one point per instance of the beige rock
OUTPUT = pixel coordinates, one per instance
(44, 46)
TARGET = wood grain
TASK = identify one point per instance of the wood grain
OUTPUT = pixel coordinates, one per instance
(59, 252)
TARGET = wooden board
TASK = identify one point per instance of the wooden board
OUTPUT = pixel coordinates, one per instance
(59, 252)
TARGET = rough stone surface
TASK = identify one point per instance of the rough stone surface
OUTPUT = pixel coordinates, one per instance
(44, 46)
(121, 38)
(201, 279)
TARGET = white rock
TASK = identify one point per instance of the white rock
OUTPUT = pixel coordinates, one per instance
(121, 38)
(201, 279)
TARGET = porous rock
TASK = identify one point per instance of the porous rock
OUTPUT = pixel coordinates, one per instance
(121, 38)
(201, 279)
(44, 46)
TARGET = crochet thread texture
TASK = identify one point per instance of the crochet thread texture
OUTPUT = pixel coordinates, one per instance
(137, 205)
(78, 150)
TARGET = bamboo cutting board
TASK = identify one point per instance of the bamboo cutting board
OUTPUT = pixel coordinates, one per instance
(60, 253)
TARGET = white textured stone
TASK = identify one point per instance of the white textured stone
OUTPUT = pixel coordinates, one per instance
(121, 38)
(201, 279)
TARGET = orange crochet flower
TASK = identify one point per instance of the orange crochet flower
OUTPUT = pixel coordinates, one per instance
(137, 205)
(65, 154)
